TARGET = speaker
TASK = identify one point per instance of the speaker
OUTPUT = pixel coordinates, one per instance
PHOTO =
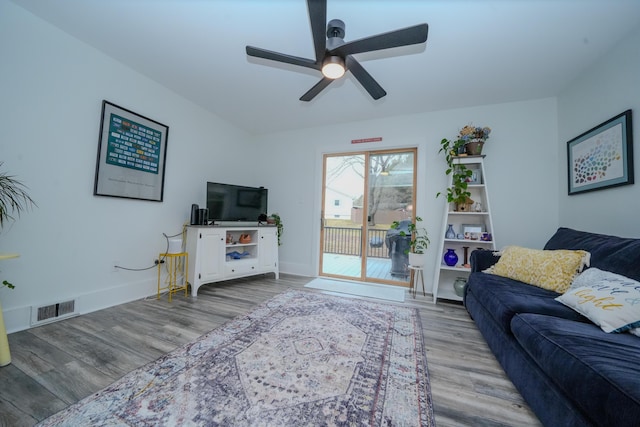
(195, 214)
(203, 216)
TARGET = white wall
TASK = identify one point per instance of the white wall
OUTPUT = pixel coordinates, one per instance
(51, 88)
(521, 167)
(605, 90)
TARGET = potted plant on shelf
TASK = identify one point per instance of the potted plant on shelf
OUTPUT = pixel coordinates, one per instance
(13, 200)
(474, 138)
(418, 244)
(274, 218)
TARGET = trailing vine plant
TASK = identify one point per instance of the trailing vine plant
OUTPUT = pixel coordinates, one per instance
(279, 226)
(457, 193)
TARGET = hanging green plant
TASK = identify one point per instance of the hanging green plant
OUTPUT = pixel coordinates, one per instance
(279, 226)
(458, 192)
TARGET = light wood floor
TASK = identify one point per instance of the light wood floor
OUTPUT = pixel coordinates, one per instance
(58, 364)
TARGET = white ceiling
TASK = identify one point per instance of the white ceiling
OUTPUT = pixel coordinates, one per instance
(478, 52)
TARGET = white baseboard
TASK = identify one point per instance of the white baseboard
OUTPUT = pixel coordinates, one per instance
(297, 269)
(19, 318)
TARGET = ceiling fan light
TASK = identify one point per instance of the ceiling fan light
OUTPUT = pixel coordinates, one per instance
(333, 67)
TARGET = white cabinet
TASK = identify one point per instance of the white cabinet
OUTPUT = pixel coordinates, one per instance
(473, 230)
(222, 253)
(211, 247)
(268, 239)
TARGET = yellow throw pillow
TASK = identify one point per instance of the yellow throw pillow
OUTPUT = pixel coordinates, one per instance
(552, 270)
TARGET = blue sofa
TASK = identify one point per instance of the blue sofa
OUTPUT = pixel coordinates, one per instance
(569, 371)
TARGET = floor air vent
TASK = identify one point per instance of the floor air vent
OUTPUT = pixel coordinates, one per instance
(52, 312)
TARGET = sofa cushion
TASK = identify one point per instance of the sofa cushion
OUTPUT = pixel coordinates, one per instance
(598, 371)
(503, 298)
(609, 300)
(610, 253)
(553, 270)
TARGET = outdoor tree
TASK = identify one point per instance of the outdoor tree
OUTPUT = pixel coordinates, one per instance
(390, 180)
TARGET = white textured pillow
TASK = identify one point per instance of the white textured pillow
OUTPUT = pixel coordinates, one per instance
(590, 276)
(609, 300)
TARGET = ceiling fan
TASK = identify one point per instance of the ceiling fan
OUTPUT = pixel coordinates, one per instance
(334, 56)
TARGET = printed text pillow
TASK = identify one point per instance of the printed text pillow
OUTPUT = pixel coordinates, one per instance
(609, 300)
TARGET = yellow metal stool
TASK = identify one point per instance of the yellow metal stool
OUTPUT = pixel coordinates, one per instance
(177, 266)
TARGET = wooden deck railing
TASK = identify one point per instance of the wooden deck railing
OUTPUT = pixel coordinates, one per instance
(347, 241)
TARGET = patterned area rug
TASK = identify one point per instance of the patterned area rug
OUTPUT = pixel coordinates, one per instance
(300, 359)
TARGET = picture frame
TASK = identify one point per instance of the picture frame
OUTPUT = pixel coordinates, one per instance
(472, 231)
(602, 157)
(132, 152)
(476, 177)
(472, 228)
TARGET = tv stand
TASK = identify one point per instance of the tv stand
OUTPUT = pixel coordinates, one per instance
(236, 223)
(218, 253)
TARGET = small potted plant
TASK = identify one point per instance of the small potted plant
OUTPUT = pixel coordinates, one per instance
(13, 197)
(418, 244)
(474, 138)
(13, 200)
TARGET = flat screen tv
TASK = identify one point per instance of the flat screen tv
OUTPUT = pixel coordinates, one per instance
(227, 202)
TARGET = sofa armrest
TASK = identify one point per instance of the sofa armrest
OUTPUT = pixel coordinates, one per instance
(481, 259)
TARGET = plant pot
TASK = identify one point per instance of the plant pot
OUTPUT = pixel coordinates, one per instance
(417, 260)
(474, 147)
(458, 286)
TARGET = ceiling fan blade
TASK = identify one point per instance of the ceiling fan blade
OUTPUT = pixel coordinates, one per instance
(365, 79)
(403, 37)
(318, 18)
(311, 93)
(281, 57)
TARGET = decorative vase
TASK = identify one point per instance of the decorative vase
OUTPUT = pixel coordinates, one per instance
(450, 258)
(458, 285)
(450, 234)
(474, 147)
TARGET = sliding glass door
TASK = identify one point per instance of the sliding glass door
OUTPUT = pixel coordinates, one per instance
(363, 193)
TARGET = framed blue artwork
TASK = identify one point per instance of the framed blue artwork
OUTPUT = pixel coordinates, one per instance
(601, 157)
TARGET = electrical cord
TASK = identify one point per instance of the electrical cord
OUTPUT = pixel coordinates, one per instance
(160, 261)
